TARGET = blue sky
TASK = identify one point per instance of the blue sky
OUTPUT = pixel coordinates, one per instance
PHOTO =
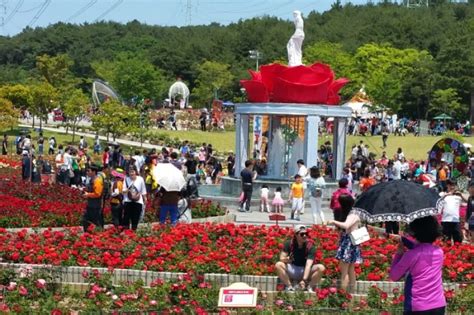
(17, 14)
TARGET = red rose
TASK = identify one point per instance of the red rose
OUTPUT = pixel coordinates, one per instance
(313, 84)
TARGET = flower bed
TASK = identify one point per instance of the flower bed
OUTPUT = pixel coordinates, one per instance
(207, 248)
(24, 204)
(25, 291)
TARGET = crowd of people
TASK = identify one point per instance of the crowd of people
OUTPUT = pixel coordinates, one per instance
(401, 127)
(107, 176)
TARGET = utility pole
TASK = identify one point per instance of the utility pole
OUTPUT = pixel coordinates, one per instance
(257, 55)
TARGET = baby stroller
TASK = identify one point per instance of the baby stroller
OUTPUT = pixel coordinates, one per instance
(189, 192)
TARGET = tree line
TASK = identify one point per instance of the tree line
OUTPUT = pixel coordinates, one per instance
(418, 62)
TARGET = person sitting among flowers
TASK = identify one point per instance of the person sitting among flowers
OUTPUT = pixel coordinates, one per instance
(297, 262)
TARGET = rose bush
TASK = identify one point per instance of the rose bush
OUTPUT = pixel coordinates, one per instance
(24, 204)
(207, 248)
(275, 82)
(40, 293)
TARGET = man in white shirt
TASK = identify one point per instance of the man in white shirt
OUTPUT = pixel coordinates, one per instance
(450, 215)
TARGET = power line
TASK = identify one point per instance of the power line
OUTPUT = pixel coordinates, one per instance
(40, 12)
(14, 11)
(31, 9)
(82, 10)
(115, 5)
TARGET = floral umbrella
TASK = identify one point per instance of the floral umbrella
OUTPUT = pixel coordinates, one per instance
(397, 200)
(453, 151)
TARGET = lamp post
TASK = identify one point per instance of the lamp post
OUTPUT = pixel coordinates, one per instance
(257, 55)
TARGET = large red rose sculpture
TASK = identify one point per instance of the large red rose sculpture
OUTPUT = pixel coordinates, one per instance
(275, 82)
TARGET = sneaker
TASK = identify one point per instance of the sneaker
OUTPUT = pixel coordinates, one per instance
(310, 290)
(241, 210)
(290, 289)
(302, 212)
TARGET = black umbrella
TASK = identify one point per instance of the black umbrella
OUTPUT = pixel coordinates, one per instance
(397, 200)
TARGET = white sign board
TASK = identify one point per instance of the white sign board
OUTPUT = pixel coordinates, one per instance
(238, 295)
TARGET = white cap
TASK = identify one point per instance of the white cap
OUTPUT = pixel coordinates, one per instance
(300, 228)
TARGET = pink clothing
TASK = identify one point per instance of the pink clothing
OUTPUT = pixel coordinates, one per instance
(422, 267)
(277, 200)
(334, 205)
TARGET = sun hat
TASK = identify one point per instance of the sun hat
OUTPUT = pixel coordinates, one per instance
(118, 173)
(299, 228)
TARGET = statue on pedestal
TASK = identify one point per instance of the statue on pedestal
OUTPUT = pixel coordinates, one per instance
(295, 53)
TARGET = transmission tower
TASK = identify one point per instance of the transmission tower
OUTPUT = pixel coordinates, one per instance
(3, 12)
(189, 11)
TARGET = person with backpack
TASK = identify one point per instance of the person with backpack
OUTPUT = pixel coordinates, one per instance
(134, 197)
(93, 194)
(316, 185)
(117, 197)
(334, 204)
(104, 174)
(297, 262)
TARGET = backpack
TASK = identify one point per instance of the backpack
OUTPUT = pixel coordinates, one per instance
(335, 199)
(315, 191)
(107, 184)
(133, 194)
(116, 199)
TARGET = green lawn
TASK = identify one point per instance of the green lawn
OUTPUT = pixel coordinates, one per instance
(413, 147)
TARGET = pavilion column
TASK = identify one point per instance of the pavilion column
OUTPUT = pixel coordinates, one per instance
(311, 134)
(339, 147)
(241, 142)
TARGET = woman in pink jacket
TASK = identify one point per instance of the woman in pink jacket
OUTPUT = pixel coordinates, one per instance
(421, 263)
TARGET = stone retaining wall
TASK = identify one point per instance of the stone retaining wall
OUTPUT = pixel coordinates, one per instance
(263, 283)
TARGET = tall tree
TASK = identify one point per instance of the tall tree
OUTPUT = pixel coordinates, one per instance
(56, 70)
(44, 99)
(115, 119)
(447, 102)
(384, 69)
(75, 109)
(212, 78)
(133, 77)
(8, 114)
(18, 94)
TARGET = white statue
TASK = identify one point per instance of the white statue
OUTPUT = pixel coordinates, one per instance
(295, 53)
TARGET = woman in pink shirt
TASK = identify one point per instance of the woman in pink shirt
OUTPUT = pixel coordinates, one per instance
(421, 265)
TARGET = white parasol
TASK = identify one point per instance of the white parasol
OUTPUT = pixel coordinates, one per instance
(169, 177)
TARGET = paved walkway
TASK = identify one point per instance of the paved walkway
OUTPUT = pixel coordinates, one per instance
(103, 138)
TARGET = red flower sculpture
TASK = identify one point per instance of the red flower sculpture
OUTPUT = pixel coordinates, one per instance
(313, 84)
